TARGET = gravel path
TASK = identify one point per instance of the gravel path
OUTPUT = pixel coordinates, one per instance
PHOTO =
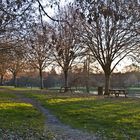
(60, 131)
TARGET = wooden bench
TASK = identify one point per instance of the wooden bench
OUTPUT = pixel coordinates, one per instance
(117, 92)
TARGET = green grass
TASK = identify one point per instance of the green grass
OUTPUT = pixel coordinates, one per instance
(6, 95)
(134, 88)
(110, 118)
(82, 89)
(19, 120)
(19, 88)
(130, 90)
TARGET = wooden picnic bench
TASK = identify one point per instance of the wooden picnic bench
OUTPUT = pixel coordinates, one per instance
(117, 92)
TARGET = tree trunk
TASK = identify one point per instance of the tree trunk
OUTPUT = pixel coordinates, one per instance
(41, 79)
(87, 84)
(107, 84)
(65, 80)
(87, 88)
(86, 70)
(87, 79)
(14, 80)
(1, 80)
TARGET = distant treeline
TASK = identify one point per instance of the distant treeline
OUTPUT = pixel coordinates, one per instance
(128, 79)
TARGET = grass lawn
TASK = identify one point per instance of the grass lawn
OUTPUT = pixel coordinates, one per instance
(19, 120)
(134, 88)
(110, 118)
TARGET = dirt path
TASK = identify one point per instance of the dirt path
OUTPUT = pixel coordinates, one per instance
(60, 131)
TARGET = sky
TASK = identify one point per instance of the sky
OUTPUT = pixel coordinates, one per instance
(125, 62)
(52, 10)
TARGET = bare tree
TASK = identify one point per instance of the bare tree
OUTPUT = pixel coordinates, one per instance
(14, 15)
(88, 60)
(65, 44)
(136, 55)
(11, 10)
(4, 59)
(2, 73)
(16, 62)
(38, 51)
(55, 4)
(109, 31)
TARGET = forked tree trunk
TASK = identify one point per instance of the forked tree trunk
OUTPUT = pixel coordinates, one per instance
(65, 80)
(41, 78)
(107, 84)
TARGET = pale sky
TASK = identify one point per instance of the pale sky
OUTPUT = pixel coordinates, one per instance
(52, 11)
(125, 62)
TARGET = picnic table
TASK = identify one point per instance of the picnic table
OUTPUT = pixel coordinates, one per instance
(117, 92)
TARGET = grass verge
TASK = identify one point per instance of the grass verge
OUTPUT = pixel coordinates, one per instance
(110, 118)
(19, 120)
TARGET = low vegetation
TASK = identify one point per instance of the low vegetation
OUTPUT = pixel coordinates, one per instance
(19, 120)
(110, 118)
